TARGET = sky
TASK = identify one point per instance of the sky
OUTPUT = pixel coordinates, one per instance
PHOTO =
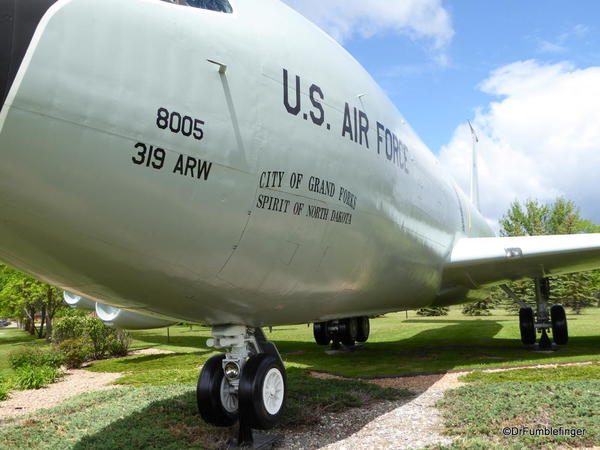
(525, 73)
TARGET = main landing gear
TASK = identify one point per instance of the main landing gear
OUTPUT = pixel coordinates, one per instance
(543, 319)
(247, 383)
(346, 331)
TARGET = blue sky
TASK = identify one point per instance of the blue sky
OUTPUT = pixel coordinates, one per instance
(526, 73)
(435, 98)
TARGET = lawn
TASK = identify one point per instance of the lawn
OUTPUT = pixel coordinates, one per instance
(11, 339)
(167, 416)
(562, 397)
(157, 408)
(397, 346)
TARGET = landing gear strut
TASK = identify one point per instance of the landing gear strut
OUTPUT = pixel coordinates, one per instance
(247, 383)
(346, 331)
(543, 319)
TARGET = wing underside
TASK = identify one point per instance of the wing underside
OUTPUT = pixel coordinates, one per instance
(479, 262)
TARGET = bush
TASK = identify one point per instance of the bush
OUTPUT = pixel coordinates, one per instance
(35, 356)
(102, 340)
(35, 377)
(119, 345)
(76, 352)
(433, 311)
(71, 327)
(101, 337)
(477, 309)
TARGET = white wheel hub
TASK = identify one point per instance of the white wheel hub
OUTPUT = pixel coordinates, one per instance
(273, 391)
(229, 399)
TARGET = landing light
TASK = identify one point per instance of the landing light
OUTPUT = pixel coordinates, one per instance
(232, 370)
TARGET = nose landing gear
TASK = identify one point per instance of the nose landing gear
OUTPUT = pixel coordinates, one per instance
(247, 383)
(217, 401)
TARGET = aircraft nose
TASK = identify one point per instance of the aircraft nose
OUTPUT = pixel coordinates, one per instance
(18, 21)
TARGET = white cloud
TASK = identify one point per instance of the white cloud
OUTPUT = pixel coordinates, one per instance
(560, 43)
(551, 47)
(345, 19)
(541, 139)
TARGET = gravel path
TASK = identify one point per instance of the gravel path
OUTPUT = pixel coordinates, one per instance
(405, 423)
(74, 382)
(401, 424)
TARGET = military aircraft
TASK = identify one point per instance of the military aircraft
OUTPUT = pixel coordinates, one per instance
(226, 162)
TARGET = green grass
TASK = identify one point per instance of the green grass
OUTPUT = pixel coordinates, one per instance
(567, 397)
(153, 369)
(157, 409)
(396, 346)
(12, 339)
(166, 416)
(555, 374)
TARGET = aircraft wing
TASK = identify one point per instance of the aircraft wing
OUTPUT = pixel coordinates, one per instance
(477, 262)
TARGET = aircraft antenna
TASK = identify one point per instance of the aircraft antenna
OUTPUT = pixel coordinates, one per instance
(474, 170)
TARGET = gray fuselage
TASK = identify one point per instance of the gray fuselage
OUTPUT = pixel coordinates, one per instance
(139, 171)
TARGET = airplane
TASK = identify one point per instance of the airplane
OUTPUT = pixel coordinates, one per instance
(228, 163)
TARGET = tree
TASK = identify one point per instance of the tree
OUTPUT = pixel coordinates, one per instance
(536, 219)
(24, 298)
(533, 218)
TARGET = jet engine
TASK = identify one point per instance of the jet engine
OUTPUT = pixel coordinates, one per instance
(115, 317)
(79, 302)
(120, 318)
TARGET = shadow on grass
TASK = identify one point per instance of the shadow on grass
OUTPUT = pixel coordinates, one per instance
(175, 423)
(141, 359)
(474, 319)
(177, 340)
(458, 344)
(22, 340)
(169, 423)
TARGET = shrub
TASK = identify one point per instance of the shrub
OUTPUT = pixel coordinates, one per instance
(100, 335)
(433, 311)
(102, 340)
(71, 327)
(119, 345)
(76, 352)
(35, 377)
(35, 356)
(477, 309)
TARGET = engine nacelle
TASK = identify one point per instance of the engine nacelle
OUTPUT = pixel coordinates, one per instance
(115, 317)
(79, 302)
(120, 318)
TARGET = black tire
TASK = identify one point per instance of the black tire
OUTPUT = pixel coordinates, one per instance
(321, 333)
(251, 395)
(560, 331)
(527, 326)
(208, 394)
(348, 331)
(364, 328)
